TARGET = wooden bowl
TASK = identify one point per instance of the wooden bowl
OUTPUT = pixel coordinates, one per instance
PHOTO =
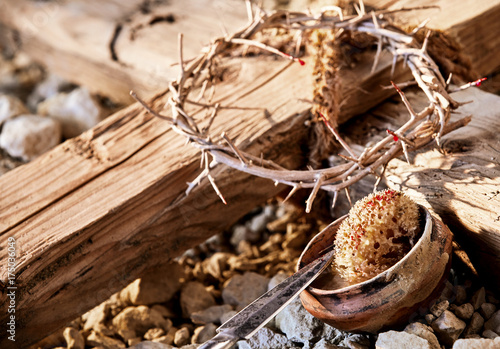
(390, 298)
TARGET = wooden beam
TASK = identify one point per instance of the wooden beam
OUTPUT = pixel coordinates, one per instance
(89, 216)
(474, 24)
(119, 46)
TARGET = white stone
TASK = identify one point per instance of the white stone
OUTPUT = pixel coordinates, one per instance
(49, 87)
(77, 111)
(400, 340)
(239, 234)
(11, 106)
(477, 343)
(266, 339)
(241, 290)
(29, 136)
(297, 324)
(425, 332)
(323, 344)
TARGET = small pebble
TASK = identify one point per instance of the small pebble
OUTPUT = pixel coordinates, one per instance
(475, 325)
(154, 333)
(203, 333)
(241, 290)
(438, 308)
(460, 295)
(478, 298)
(464, 311)
(29, 136)
(490, 334)
(98, 340)
(487, 309)
(211, 314)
(425, 332)
(74, 339)
(398, 340)
(477, 343)
(181, 337)
(448, 327)
(77, 111)
(493, 323)
(11, 106)
(429, 318)
(194, 297)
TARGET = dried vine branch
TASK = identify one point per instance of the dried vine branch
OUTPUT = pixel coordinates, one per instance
(421, 128)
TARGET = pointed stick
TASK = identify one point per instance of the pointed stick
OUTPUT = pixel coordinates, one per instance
(240, 156)
(314, 192)
(337, 136)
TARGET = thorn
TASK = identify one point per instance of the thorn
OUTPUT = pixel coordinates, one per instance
(217, 191)
(293, 191)
(335, 196)
(314, 192)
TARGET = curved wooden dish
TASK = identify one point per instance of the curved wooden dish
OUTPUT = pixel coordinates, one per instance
(391, 298)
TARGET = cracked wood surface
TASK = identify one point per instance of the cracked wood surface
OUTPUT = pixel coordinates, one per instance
(474, 24)
(133, 45)
(114, 46)
(95, 212)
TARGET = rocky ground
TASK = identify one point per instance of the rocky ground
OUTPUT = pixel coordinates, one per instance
(181, 304)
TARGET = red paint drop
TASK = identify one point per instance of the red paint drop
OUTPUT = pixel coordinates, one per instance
(394, 136)
(478, 81)
(302, 62)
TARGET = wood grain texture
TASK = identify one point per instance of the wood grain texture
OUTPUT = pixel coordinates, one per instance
(461, 182)
(93, 213)
(119, 46)
(474, 24)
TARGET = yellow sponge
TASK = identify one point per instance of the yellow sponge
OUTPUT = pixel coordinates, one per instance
(380, 229)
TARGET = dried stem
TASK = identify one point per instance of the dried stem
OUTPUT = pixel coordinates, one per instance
(421, 128)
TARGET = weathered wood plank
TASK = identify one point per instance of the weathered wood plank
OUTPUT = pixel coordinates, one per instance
(120, 46)
(474, 24)
(87, 236)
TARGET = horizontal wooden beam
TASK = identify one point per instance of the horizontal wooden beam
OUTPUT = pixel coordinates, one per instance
(89, 216)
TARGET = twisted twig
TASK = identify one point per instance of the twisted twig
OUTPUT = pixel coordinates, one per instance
(419, 130)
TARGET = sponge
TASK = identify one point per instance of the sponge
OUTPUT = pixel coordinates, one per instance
(380, 229)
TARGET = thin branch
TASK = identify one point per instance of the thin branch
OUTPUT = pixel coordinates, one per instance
(421, 128)
(334, 131)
